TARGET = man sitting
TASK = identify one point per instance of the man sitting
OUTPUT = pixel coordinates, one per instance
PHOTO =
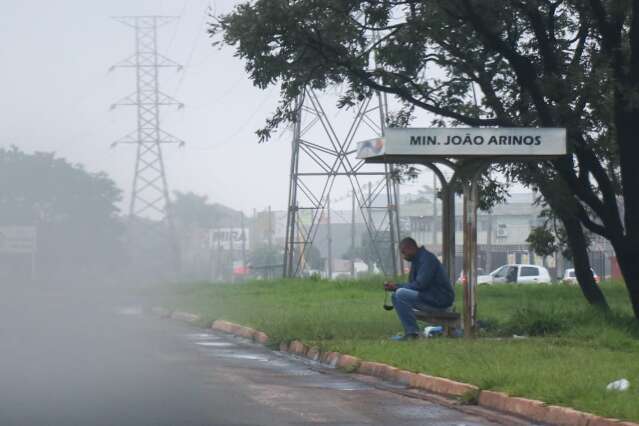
(428, 288)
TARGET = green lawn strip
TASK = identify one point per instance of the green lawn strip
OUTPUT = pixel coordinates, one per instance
(535, 368)
(573, 351)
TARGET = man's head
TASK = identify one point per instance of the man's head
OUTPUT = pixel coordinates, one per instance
(408, 249)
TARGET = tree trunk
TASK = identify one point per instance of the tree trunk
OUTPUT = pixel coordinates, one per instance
(577, 243)
(578, 246)
(628, 259)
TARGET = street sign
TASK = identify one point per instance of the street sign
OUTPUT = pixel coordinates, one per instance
(17, 239)
(411, 145)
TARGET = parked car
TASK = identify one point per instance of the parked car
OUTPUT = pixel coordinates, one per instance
(571, 278)
(516, 273)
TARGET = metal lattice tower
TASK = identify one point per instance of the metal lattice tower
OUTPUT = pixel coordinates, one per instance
(316, 165)
(150, 194)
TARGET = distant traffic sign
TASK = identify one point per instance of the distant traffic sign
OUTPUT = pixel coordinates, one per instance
(411, 144)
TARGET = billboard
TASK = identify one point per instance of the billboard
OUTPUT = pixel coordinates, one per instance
(18, 239)
(227, 238)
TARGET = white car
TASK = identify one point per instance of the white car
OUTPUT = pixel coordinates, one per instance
(516, 273)
(571, 278)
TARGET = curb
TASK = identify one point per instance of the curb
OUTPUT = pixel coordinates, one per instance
(241, 331)
(531, 409)
(161, 312)
(185, 317)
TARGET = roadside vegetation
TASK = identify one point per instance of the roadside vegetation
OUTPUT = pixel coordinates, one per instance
(538, 341)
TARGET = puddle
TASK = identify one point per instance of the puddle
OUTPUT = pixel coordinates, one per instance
(214, 344)
(237, 354)
(295, 371)
(339, 385)
(453, 423)
(433, 414)
(197, 336)
(129, 310)
(427, 411)
(284, 366)
(248, 357)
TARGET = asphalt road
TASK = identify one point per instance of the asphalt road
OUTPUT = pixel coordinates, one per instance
(78, 357)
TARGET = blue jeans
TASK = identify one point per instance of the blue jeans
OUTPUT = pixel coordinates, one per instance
(404, 301)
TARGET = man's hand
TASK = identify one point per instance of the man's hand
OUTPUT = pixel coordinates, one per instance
(390, 286)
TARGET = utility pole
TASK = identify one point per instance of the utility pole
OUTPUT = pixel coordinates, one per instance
(253, 238)
(353, 235)
(218, 255)
(232, 249)
(150, 193)
(371, 237)
(243, 244)
(269, 272)
(489, 243)
(329, 238)
(434, 222)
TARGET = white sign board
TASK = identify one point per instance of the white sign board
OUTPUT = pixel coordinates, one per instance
(225, 238)
(407, 143)
(18, 239)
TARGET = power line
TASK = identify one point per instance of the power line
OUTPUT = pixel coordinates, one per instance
(229, 139)
(193, 47)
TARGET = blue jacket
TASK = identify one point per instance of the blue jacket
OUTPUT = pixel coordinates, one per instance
(428, 277)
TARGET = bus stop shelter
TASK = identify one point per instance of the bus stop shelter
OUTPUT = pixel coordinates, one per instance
(479, 148)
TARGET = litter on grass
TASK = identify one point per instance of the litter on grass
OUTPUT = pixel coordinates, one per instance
(618, 385)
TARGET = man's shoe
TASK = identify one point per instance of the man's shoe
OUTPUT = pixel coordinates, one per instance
(405, 337)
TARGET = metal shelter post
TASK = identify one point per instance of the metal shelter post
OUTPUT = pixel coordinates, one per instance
(471, 204)
(448, 230)
(470, 258)
(448, 218)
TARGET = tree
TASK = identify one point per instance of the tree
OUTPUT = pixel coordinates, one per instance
(191, 209)
(370, 250)
(559, 63)
(314, 258)
(74, 211)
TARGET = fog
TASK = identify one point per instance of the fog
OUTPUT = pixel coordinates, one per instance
(75, 346)
(76, 268)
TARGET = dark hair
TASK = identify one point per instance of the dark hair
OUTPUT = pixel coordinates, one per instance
(408, 241)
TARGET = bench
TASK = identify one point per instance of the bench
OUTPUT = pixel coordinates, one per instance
(449, 320)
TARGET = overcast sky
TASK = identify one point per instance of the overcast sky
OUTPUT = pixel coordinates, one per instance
(56, 91)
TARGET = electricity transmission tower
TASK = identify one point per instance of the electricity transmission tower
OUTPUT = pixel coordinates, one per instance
(314, 168)
(150, 194)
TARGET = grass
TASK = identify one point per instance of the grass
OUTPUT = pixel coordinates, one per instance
(569, 356)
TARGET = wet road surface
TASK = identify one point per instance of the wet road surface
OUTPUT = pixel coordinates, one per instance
(78, 359)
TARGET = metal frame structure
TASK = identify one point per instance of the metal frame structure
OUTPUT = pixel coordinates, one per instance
(335, 157)
(150, 193)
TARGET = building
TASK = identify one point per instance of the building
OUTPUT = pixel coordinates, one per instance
(501, 234)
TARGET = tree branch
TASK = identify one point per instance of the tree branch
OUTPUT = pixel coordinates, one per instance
(367, 78)
(549, 59)
(592, 226)
(522, 66)
(582, 36)
(587, 157)
(634, 42)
